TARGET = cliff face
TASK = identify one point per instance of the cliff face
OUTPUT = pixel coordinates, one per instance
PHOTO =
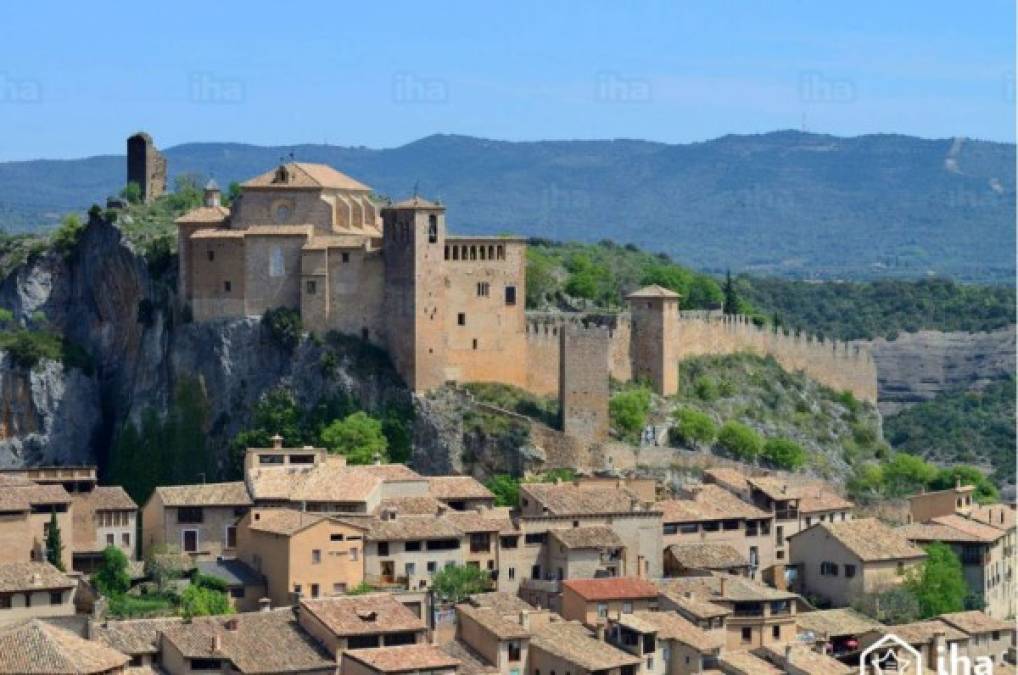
(916, 367)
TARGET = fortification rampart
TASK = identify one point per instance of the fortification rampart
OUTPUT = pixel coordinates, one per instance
(544, 349)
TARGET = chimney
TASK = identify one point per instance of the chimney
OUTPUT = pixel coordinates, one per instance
(525, 619)
(788, 655)
(600, 631)
(277, 442)
(957, 482)
(939, 643)
(217, 643)
(264, 604)
(721, 586)
(36, 579)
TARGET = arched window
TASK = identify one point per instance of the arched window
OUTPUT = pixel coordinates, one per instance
(276, 268)
(432, 228)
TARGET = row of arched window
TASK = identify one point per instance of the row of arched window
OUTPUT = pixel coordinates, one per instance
(474, 252)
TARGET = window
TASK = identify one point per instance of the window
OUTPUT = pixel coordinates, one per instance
(316, 556)
(338, 588)
(689, 528)
(311, 286)
(515, 652)
(110, 540)
(432, 228)
(446, 251)
(383, 548)
(353, 554)
(314, 590)
(828, 569)
(205, 664)
(901, 568)
(410, 569)
(474, 343)
(211, 255)
(602, 609)
(500, 252)
(442, 544)
(483, 289)
(276, 267)
(56, 598)
(432, 566)
(671, 528)
(189, 514)
(849, 571)
(344, 257)
(227, 286)
(5, 600)
(512, 572)
(231, 536)
(412, 546)
(627, 607)
(296, 589)
(461, 319)
(731, 525)
(747, 633)
(510, 295)
(776, 632)
(189, 541)
(779, 554)
(779, 535)
(125, 539)
(535, 537)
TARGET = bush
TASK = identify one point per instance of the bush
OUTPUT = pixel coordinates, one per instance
(986, 491)
(628, 411)
(112, 577)
(939, 584)
(358, 436)
(740, 441)
(65, 238)
(131, 192)
(506, 489)
(895, 605)
(28, 347)
(455, 582)
(906, 474)
(285, 327)
(201, 601)
(694, 427)
(784, 453)
(706, 389)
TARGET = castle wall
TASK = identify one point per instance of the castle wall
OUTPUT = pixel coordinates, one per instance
(217, 277)
(583, 382)
(356, 288)
(146, 166)
(485, 324)
(543, 348)
(272, 272)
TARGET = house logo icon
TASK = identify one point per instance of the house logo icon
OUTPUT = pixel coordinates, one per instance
(890, 655)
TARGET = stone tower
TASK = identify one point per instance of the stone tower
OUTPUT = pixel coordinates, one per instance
(146, 166)
(583, 382)
(415, 298)
(655, 328)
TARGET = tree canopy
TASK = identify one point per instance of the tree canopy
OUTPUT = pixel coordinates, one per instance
(358, 437)
(939, 584)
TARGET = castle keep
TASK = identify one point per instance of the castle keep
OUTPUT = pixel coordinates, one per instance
(448, 308)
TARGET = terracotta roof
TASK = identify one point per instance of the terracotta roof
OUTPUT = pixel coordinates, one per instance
(490, 520)
(805, 661)
(19, 494)
(923, 632)
(707, 556)
(729, 478)
(204, 214)
(570, 641)
(104, 498)
(304, 175)
(327, 482)
(403, 659)
(494, 621)
(206, 494)
(404, 528)
(836, 622)
(977, 530)
(504, 603)
(132, 637)
(745, 663)
(363, 614)
(283, 521)
(813, 496)
(737, 588)
(694, 605)
(219, 233)
(38, 647)
(927, 532)
(671, 626)
(611, 588)
(448, 488)
(24, 576)
(471, 663)
(569, 499)
(417, 202)
(653, 291)
(258, 642)
(392, 472)
(709, 502)
(593, 536)
(975, 622)
(869, 539)
(421, 505)
(1000, 516)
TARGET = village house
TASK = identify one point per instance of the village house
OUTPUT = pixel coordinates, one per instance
(501, 639)
(667, 643)
(569, 647)
(34, 590)
(138, 639)
(694, 559)
(840, 630)
(929, 638)
(39, 647)
(694, 607)
(404, 660)
(801, 660)
(759, 615)
(365, 621)
(103, 516)
(989, 636)
(928, 505)
(26, 510)
(300, 554)
(841, 561)
(593, 601)
(408, 551)
(199, 520)
(245, 586)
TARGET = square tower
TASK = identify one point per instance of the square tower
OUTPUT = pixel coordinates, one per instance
(146, 166)
(583, 381)
(655, 331)
(415, 294)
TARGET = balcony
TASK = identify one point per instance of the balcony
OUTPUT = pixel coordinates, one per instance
(386, 581)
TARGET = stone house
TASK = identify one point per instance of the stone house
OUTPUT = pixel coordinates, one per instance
(199, 520)
(407, 659)
(367, 621)
(501, 640)
(37, 646)
(927, 505)
(569, 647)
(585, 553)
(103, 516)
(695, 559)
(667, 643)
(34, 590)
(138, 639)
(593, 601)
(26, 509)
(841, 629)
(841, 561)
(989, 636)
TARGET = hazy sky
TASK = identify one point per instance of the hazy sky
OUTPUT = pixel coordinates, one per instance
(77, 78)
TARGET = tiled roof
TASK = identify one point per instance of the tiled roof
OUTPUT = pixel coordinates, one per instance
(975, 622)
(836, 622)
(258, 642)
(926, 532)
(404, 528)
(205, 214)
(736, 588)
(493, 621)
(728, 478)
(471, 663)
(998, 515)
(707, 556)
(709, 502)
(363, 614)
(420, 505)
(307, 175)
(25, 576)
(593, 536)
(570, 641)
(805, 661)
(448, 488)
(392, 472)
(974, 528)
(132, 637)
(568, 499)
(869, 539)
(671, 626)
(923, 632)
(283, 521)
(327, 482)
(813, 496)
(489, 520)
(404, 658)
(19, 494)
(504, 603)
(105, 498)
(611, 588)
(653, 291)
(231, 571)
(206, 494)
(218, 233)
(36, 647)
(745, 663)
(694, 605)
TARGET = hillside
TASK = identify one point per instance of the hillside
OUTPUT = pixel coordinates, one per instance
(785, 203)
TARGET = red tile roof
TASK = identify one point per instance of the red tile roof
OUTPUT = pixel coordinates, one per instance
(612, 588)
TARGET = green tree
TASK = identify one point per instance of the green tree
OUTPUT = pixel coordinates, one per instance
(905, 474)
(199, 600)
(939, 584)
(358, 436)
(65, 238)
(506, 489)
(740, 441)
(112, 577)
(54, 543)
(694, 427)
(541, 282)
(784, 453)
(131, 192)
(455, 582)
(628, 411)
(986, 491)
(895, 605)
(730, 303)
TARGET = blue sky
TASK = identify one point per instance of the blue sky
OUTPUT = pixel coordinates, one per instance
(77, 78)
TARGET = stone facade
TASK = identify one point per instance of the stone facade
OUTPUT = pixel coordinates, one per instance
(583, 387)
(146, 166)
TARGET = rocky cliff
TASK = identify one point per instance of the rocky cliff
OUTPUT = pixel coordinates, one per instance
(916, 367)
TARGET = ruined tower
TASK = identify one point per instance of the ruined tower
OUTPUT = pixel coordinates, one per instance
(655, 327)
(415, 290)
(146, 166)
(583, 381)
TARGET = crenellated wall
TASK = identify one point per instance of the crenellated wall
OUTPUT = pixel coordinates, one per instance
(544, 348)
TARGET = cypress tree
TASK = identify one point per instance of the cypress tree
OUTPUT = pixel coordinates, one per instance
(54, 545)
(731, 302)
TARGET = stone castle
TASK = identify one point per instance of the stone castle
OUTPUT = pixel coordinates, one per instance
(448, 309)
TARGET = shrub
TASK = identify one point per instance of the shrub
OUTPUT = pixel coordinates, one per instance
(28, 347)
(784, 453)
(892, 606)
(65, 238)
(694, 427)
(986, 491)
(629, 410)
(506, 489)
(939, 584)
(740, 441)
(706, 388)
(284, 325)
(112, 577)
(455, 582)
(357, 436)
(201, 601)
(131, 192)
